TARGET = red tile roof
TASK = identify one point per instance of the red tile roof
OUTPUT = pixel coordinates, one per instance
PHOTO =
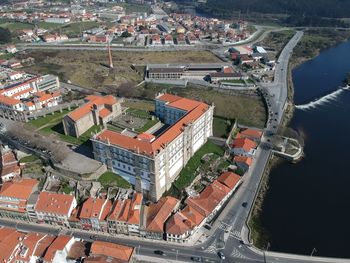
(193, 215)
(244, 143)
(116, 251)
(18, 188)
(252, 133)
(229, 179)
(57, 245)
(243, 159)
(177, 224)
(209, 198)
(196, 109)
(8, 101)
(104, 113)
(135, 208)
(54, 203)
(88, 107)
(92, 208)
(9, 242)
(158, 213)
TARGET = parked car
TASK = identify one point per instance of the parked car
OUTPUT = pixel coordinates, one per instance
(197, 259)
(159, 252)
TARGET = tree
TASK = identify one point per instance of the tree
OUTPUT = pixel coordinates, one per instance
(5, 35)
(125, 34)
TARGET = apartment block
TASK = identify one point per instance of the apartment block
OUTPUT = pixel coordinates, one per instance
(55, 209)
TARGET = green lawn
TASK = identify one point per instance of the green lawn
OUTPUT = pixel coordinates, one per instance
(139, 113)
(234, 81)
(74, 29)
(114, 128)
(66, 189)
(13, 26)
(58, 130)
(111, 179)
(222, 127)
(29, 159)
(148, 125)
(49, 119)
(188, 173)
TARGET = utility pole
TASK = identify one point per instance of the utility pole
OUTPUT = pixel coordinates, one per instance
(177, 252)
(266, 249)
(110, 55)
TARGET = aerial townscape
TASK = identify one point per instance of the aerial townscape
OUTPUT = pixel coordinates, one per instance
(146, 131)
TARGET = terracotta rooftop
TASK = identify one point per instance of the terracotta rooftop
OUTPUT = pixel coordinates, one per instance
(116, 210)
(57, 245)
(193, 215)
(29, 245)
(116, 251)
(124, 213)
(209, 198)
(9, 242)
(88, 107)
(92, 208)
(150, 148)
(229, 179)
(54, 203)
(135, 208)
(18, 188)
(252, 133)
(177, 224)
(158, 213)
(244, 143)
(8, 101)
(243, 159)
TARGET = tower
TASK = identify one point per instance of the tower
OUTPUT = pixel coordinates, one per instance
(110, 56)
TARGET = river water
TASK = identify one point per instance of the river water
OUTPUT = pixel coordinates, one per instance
(307, 204)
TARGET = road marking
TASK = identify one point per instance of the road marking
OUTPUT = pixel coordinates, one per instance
(235, 253)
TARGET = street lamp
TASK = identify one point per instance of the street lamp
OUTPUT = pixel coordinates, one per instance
(266, 249)
(313, 251)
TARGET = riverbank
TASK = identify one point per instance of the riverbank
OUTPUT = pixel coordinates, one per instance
(307, 49)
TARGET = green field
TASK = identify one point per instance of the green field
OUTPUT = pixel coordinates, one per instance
(49, 119)
(188, 173)
(221, 127)
(29, 159)
(109, 179)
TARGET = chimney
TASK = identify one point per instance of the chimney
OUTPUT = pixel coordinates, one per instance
(110, 56)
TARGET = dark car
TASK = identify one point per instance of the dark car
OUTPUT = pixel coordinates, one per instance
(221, 255)
(197, 259)
(159, 252)
(244, 204)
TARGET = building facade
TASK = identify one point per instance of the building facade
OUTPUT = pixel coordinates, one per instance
(150, 162)
(98, 110)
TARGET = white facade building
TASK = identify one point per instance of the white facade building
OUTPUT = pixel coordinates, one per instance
(152, 163)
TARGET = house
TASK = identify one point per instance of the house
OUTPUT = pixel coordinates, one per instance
(9, 243)
(243, 162)
(252, 134)
(11, 49)
(243, 147)
(109, 252)
(156, 40)
(93, 212)
(134, 218)
(55, 209)
(156, 216)
(183, 224)
(29, 247)
(210, 200)
(181, 39)
(9, 167)
(58, 250)
(245, 59)
(14, 196)
(97, 110)
(168, 40)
